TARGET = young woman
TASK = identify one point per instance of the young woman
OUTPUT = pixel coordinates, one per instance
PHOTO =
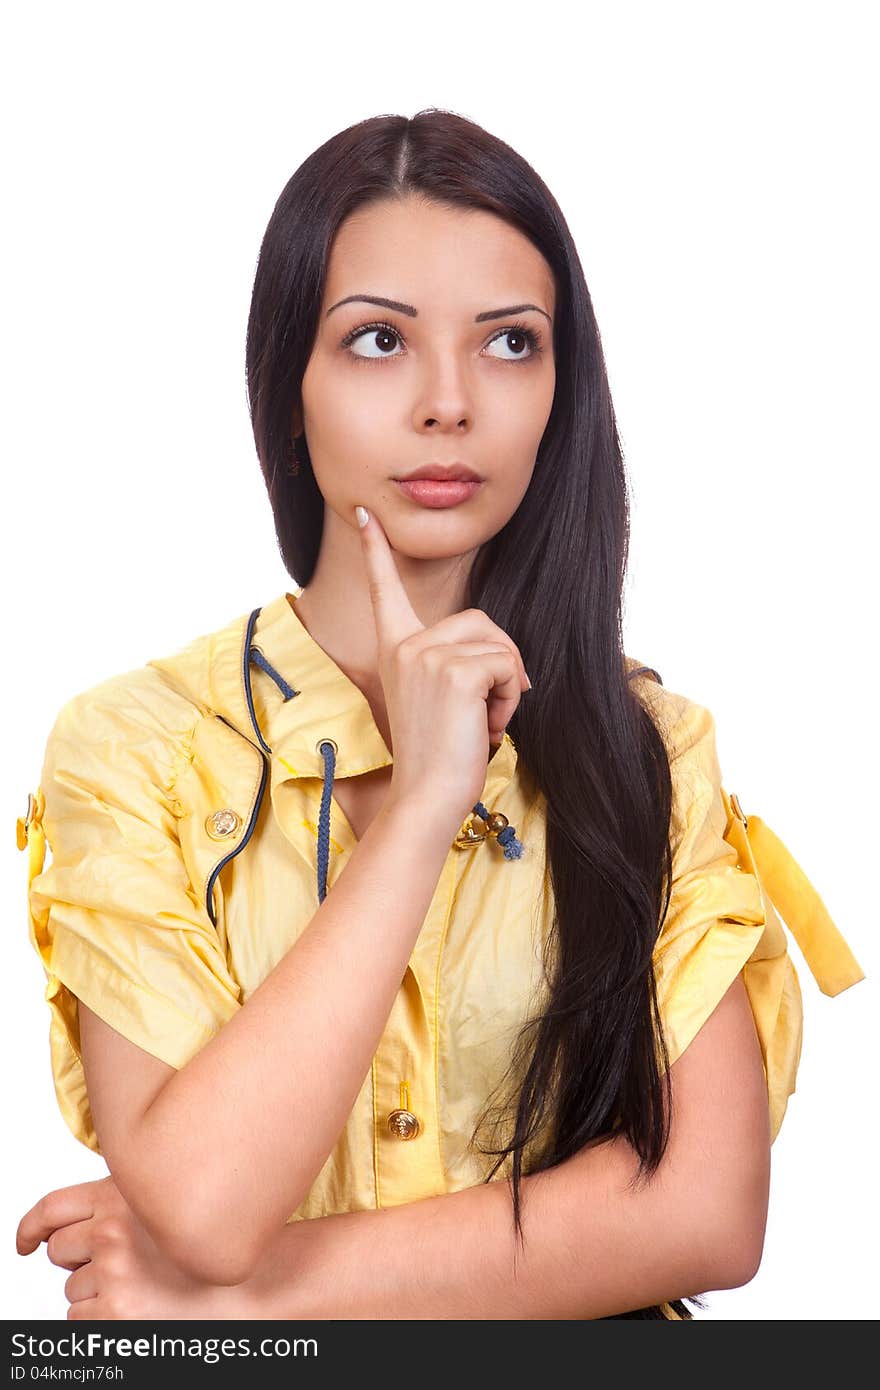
(411, 880)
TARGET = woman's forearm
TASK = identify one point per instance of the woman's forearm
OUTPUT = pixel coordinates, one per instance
(234, 1140)
(593, 1247)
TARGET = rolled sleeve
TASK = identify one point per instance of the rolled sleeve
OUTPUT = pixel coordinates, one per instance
(114, 917)
(720, 922)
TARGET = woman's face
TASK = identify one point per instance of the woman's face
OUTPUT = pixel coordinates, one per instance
(445, 380)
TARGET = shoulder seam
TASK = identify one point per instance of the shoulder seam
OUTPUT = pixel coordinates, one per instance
(178, 744)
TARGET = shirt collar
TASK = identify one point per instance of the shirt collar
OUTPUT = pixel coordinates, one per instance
(327, 705)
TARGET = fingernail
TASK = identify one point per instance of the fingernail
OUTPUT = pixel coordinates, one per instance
(527, 678)
(362, 515)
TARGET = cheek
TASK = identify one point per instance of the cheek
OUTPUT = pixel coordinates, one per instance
(517, 431)
(515, 487)
(347, 417)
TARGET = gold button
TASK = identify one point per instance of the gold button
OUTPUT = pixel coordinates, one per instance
(469, 836)
(223, 823)
(403, 1124)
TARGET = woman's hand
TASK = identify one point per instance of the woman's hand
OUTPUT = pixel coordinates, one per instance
(450, 689)
(118, 1270)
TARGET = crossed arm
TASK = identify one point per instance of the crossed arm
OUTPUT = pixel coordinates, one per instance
(594, 1245)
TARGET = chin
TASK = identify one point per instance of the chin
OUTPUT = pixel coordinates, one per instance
(427, 538)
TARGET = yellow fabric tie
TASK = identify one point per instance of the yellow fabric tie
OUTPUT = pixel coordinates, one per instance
(831, 962)
(30, 835)
(830, 959)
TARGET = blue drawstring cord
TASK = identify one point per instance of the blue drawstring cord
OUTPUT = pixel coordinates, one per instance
(286, 690)
(506, 838)
(324, 819)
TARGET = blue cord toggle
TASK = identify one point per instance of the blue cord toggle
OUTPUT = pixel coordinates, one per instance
(507, 837)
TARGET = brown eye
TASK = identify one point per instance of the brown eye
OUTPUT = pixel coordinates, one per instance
(377, 338)
(523, 343)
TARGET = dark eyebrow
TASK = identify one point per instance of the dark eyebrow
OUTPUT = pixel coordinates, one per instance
(413, 312)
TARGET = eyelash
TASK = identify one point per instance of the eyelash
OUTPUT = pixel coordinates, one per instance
(532, 337)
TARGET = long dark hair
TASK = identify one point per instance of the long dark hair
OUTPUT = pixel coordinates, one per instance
(552, 578)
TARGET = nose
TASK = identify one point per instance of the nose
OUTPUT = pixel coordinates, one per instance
(445, 401)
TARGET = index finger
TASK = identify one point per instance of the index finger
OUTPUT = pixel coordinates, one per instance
(60, 1207)
(392, 610)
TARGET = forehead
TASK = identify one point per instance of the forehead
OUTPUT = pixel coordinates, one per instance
(434, 256)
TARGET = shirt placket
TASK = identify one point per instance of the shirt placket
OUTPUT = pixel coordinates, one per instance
(407, 1154)
(407, 1147)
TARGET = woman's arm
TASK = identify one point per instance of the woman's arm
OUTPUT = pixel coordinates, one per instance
(213, 1158)
(593, 1245)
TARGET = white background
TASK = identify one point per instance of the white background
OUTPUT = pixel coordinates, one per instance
(716, 164)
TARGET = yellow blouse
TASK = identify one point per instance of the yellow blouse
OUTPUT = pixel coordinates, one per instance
(182, 805)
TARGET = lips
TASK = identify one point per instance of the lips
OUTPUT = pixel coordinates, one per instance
(436, 493)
